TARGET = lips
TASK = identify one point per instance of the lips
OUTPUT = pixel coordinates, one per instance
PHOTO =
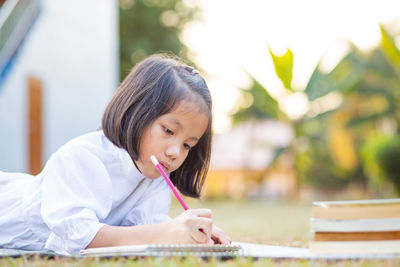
(164, 165)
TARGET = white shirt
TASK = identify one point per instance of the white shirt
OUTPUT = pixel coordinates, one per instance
(87, 183)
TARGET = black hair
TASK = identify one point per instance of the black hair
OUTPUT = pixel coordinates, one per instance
(164, 80)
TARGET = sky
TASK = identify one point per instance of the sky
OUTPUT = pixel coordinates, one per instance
(234, 35)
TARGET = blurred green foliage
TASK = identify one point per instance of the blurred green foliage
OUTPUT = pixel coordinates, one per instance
(381, 156)
(262, 104)
(284, 67)
(338, 145)
(152, 26)
(388, 159)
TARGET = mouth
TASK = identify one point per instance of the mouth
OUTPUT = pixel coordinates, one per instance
(165, 166)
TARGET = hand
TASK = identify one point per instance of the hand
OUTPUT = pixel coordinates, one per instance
(191, 226)
(219, 237)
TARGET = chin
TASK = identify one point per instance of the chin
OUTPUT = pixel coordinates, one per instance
(153, 175)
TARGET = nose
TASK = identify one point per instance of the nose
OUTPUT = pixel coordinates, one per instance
(173, 151)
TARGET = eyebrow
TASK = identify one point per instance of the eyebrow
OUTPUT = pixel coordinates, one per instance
(179, 124)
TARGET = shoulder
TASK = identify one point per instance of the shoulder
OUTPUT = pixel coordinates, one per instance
(85, 152)
(94, 143)
(92, 139)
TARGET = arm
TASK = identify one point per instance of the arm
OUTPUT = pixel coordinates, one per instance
(73, 201)
(109, 236)
(192, 226)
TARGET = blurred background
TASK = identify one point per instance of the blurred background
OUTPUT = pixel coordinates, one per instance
(306, 94)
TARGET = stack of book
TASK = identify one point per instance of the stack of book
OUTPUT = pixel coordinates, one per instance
(356, 227)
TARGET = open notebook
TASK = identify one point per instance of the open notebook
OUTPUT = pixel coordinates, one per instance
(236, 249)
(239, 249)
(167, 250)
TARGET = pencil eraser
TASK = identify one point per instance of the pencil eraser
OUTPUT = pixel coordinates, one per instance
(154, 160)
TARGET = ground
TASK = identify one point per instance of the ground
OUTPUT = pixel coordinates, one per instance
(261, 221)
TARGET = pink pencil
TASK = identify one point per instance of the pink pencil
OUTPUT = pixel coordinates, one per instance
(171, 185)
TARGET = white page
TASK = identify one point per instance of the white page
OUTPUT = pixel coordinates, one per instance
(268, 251)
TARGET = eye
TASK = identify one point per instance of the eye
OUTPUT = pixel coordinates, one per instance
(168, 131)
(187, 147)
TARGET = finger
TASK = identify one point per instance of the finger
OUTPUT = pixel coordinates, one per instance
(201, 229)
(215, 238)
(225, 240)
(220, 236)
(200, 212)
(204, 225)
(221, 239)
(199, 236)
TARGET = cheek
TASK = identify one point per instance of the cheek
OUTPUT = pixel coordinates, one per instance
(152, 142)
(156, 133)
(182, 159)
(146, 142)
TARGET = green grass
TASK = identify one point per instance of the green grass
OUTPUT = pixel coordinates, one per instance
(189, 261)
(277, 223)
(259, 221)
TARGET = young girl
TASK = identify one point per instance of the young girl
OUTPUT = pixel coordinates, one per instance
(101, 189)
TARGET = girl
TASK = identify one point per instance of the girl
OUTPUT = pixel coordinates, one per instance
(101, 189)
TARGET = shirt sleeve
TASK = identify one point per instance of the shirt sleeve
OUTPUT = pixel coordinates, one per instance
(76, 197)
(152, 207)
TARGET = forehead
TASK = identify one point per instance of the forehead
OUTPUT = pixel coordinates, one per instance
(188, 116)
(189, 108)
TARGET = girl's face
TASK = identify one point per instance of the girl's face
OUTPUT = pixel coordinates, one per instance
(170, 139)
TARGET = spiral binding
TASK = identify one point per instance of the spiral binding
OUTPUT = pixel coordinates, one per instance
(168, 250)
(201, 250)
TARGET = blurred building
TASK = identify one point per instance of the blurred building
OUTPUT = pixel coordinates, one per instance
(241, 162)
(58, 60)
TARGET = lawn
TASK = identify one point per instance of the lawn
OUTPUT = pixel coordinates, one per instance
(268, 222)
(259, 221)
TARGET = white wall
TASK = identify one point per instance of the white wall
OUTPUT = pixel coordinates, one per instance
(73, 49)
